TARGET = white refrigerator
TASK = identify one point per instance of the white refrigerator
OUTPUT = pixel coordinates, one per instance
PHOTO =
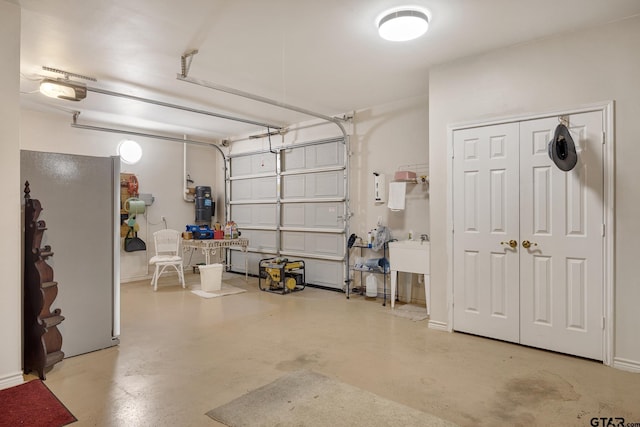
(80, 200)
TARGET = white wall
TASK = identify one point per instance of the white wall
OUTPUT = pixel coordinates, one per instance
(571, 70)
(385, 138)
(159, 172)
(11, 194)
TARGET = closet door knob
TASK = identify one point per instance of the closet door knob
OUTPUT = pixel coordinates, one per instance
(511, 243)
(527, 244)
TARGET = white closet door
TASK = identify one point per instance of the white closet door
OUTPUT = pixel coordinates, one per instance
(561, 274)
(485, 206)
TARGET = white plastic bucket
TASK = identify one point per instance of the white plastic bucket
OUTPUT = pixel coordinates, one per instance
(210, 277)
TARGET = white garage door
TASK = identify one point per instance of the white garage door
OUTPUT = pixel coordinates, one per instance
(292, 203)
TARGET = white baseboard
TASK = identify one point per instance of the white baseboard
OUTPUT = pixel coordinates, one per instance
(135, 279)
(626, 364)
(11, 380)
(437, 325)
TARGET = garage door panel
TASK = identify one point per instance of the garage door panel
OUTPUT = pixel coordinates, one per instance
(261, 240)
(292, 241)
(241, 190)
(326, 184)
(326, 244)
(253, 189)
(254, 215)
(326, 215)
(327, 154)
(241, 166)
(293, 187)
(253, 259)
(253, 164)
(316, 185)
(263, 188)
(294, 159)
(294, 215)
(324, 273)
(313, 215)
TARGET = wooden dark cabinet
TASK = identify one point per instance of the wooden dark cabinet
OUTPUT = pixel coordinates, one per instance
(42, 339)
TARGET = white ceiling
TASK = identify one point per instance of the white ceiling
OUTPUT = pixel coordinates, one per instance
(321, 55)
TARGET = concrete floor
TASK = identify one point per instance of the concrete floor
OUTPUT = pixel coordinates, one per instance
(182, 355)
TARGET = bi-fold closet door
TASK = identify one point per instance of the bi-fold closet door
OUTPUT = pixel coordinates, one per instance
(292, 203)
(528, 237)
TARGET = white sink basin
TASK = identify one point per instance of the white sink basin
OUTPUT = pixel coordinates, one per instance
(411, 256)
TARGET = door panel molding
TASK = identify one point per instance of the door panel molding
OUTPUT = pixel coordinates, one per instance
(487, 195)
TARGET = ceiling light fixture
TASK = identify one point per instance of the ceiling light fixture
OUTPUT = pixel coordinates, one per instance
(63, 89)
(403, 23)
(129, 151)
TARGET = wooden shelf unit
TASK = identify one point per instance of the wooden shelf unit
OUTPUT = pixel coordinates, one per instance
(42, 339)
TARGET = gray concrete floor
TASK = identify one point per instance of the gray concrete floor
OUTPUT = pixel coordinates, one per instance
(181, 355)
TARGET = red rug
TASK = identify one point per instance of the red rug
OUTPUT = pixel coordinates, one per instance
(32, 404)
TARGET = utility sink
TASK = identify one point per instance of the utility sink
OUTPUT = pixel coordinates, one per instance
(411, 256)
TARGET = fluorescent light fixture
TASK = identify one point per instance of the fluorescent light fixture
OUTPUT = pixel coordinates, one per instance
(63, 89)
(403, 23)
(129, 151)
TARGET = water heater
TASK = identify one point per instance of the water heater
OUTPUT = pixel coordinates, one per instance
(205, 206)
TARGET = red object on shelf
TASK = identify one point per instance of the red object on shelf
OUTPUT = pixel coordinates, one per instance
(218, 234)
(404, 176)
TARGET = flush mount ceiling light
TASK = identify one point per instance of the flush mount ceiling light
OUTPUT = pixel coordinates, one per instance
(403, 23)
(63, 89)
(129, 151)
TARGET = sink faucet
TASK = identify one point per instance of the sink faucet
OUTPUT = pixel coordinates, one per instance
(424, 238)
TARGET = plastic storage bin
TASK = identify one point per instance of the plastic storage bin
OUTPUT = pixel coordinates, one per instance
(210, 277)
(372, 286)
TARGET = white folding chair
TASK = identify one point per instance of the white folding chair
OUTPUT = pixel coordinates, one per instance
(167, 243)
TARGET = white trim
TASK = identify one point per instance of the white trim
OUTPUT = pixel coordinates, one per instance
(607, 109)
(314, 230)
(115, 303)
(312, 256)
(584, 108)
(449, 229)
(258, 227)
(253, 176)
(626, 364)
(439, 326)
(251, 250)
(135, 279)
(313, 170)
(314, 200)
(610, 232)
(254, 202)
(11, 380)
